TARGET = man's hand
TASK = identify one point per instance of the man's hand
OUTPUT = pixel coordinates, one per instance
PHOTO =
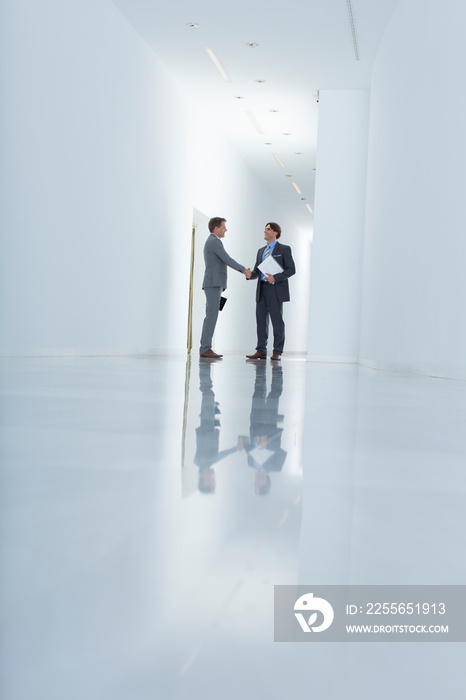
(248, 273)
(270, 279)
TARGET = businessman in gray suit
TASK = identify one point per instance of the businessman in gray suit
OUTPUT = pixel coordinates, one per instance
(215, 281)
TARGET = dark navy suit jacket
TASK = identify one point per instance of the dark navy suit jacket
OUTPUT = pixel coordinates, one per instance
(282, 254)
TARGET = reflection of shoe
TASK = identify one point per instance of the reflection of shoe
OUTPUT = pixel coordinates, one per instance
(210, 353)
(256, 356)
(276, 356)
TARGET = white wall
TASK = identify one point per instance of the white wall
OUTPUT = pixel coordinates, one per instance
(415, 248)
(88, 204)
(103, 160)
(336, 268)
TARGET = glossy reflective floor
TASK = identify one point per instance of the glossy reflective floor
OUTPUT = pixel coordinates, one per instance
(148, 507)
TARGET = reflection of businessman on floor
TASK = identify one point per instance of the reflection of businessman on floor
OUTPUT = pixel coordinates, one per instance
(263, 446)
(208, 433)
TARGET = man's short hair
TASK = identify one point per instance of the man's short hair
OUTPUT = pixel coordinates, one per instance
(275, 227)
(216, 222)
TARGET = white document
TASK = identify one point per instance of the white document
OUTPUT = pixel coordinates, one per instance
(260, 454)
(270, 266)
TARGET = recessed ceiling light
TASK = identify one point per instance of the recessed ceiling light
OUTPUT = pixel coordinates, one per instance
(192, 25)
(296, 187)
(298, 153)
(273, 110)
(259, 81)
(218, 65)
(303, 199)
(288, 175)
(285, 133)
(278, 159)
(254, 122)
(252, 45)
(308, 207)
(268, 143)
(239, 97)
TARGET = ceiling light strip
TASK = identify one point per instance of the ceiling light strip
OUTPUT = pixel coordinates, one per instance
(279, 160)
(309, 207)
(296, 187)
(353, 29)
(254, 122)
(218, 65)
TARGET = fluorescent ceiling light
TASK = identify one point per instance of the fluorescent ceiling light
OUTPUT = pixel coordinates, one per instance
(254, 122)
(296, 187)
(278, 159)
(218, 65)
(309, 207)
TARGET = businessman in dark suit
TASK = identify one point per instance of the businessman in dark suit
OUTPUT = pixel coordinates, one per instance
(271, 292)
(264, 434)
(215, 281)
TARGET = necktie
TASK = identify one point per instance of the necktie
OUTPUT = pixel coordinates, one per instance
(266, 255)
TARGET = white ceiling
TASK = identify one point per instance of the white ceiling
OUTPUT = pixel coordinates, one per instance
(304, 46)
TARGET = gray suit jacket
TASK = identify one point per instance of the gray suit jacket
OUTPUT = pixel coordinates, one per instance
(216, 261)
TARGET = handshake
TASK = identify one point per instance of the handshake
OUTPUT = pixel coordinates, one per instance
(269, 278)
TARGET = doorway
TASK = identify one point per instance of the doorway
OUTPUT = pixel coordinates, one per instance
(196, 299)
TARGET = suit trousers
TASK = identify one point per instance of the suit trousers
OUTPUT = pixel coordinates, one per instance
(267, 307)
(212, 304)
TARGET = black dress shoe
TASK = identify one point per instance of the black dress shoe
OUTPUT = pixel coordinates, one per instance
(210, 353)
(257, 356)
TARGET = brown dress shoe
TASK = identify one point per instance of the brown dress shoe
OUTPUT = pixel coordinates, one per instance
(210, 353)
(276, 356)
(256, 356)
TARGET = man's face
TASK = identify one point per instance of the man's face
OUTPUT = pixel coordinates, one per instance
(269, 234)
(221, 230)
(260, 480)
